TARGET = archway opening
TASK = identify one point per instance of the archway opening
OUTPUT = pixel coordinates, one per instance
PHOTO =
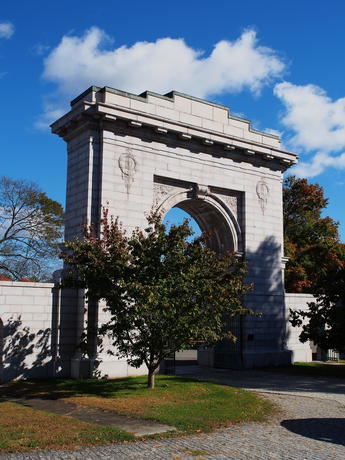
(176, 216)
(202, 216)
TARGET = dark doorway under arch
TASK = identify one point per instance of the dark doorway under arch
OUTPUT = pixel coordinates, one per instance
(203, 216)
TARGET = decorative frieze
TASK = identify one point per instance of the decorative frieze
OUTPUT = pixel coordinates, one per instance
(232, 203)
(161, 192)
(230, 198)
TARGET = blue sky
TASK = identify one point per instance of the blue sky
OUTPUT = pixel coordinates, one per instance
(279, 64)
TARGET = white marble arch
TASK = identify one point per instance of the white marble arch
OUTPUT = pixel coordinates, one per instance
(131, 152)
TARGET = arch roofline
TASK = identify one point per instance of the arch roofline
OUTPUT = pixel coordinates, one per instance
(190, 118)
(145, 96)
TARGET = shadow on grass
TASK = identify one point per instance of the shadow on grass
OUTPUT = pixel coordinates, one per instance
(64, 388)
(322, 429)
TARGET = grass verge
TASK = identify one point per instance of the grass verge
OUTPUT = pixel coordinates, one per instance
(186, 404)
(23, 429)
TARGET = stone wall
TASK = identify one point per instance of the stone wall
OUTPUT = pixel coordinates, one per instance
(300, 351)
(29, 329)
(40, 330)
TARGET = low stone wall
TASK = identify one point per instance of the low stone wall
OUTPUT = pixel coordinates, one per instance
(40, 328)
(29, 328)
(300, 351)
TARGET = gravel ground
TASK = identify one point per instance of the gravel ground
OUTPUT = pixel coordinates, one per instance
(309, 426)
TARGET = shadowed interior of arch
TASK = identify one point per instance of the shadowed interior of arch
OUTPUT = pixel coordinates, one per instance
(202, 216)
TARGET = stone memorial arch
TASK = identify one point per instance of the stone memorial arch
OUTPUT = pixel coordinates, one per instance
(131, 153)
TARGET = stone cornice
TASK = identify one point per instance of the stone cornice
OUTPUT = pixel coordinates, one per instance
(190, 119)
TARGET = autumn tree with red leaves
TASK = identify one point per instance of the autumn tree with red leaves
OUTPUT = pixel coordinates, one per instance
(316, 264)
(311, 242)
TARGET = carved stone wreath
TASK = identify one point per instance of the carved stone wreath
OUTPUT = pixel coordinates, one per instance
(128, 167)
(262, 192)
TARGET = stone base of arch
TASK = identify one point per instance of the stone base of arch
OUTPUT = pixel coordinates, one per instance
(245, 360)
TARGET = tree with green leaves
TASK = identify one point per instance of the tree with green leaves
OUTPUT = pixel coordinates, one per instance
(316, 264)
(325, 318)
(31, 227)
(163, 293)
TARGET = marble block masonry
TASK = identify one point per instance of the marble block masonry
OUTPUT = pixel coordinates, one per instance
(134, 152)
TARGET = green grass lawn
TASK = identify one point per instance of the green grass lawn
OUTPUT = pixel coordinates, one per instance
(314, 369)
(186, 404)
(24, 429)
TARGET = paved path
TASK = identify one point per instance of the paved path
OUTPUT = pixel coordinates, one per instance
(256, 380)
(310, 426)
(133, 425)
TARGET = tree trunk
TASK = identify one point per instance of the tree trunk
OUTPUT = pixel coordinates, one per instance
(151, 379)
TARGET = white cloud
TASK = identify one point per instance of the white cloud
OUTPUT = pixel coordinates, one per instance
(39, 49)
(163, 65)
(51, 113)
(274, 132)
(317, 125)
(318, 122)
(318, 164)
(6, 29)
